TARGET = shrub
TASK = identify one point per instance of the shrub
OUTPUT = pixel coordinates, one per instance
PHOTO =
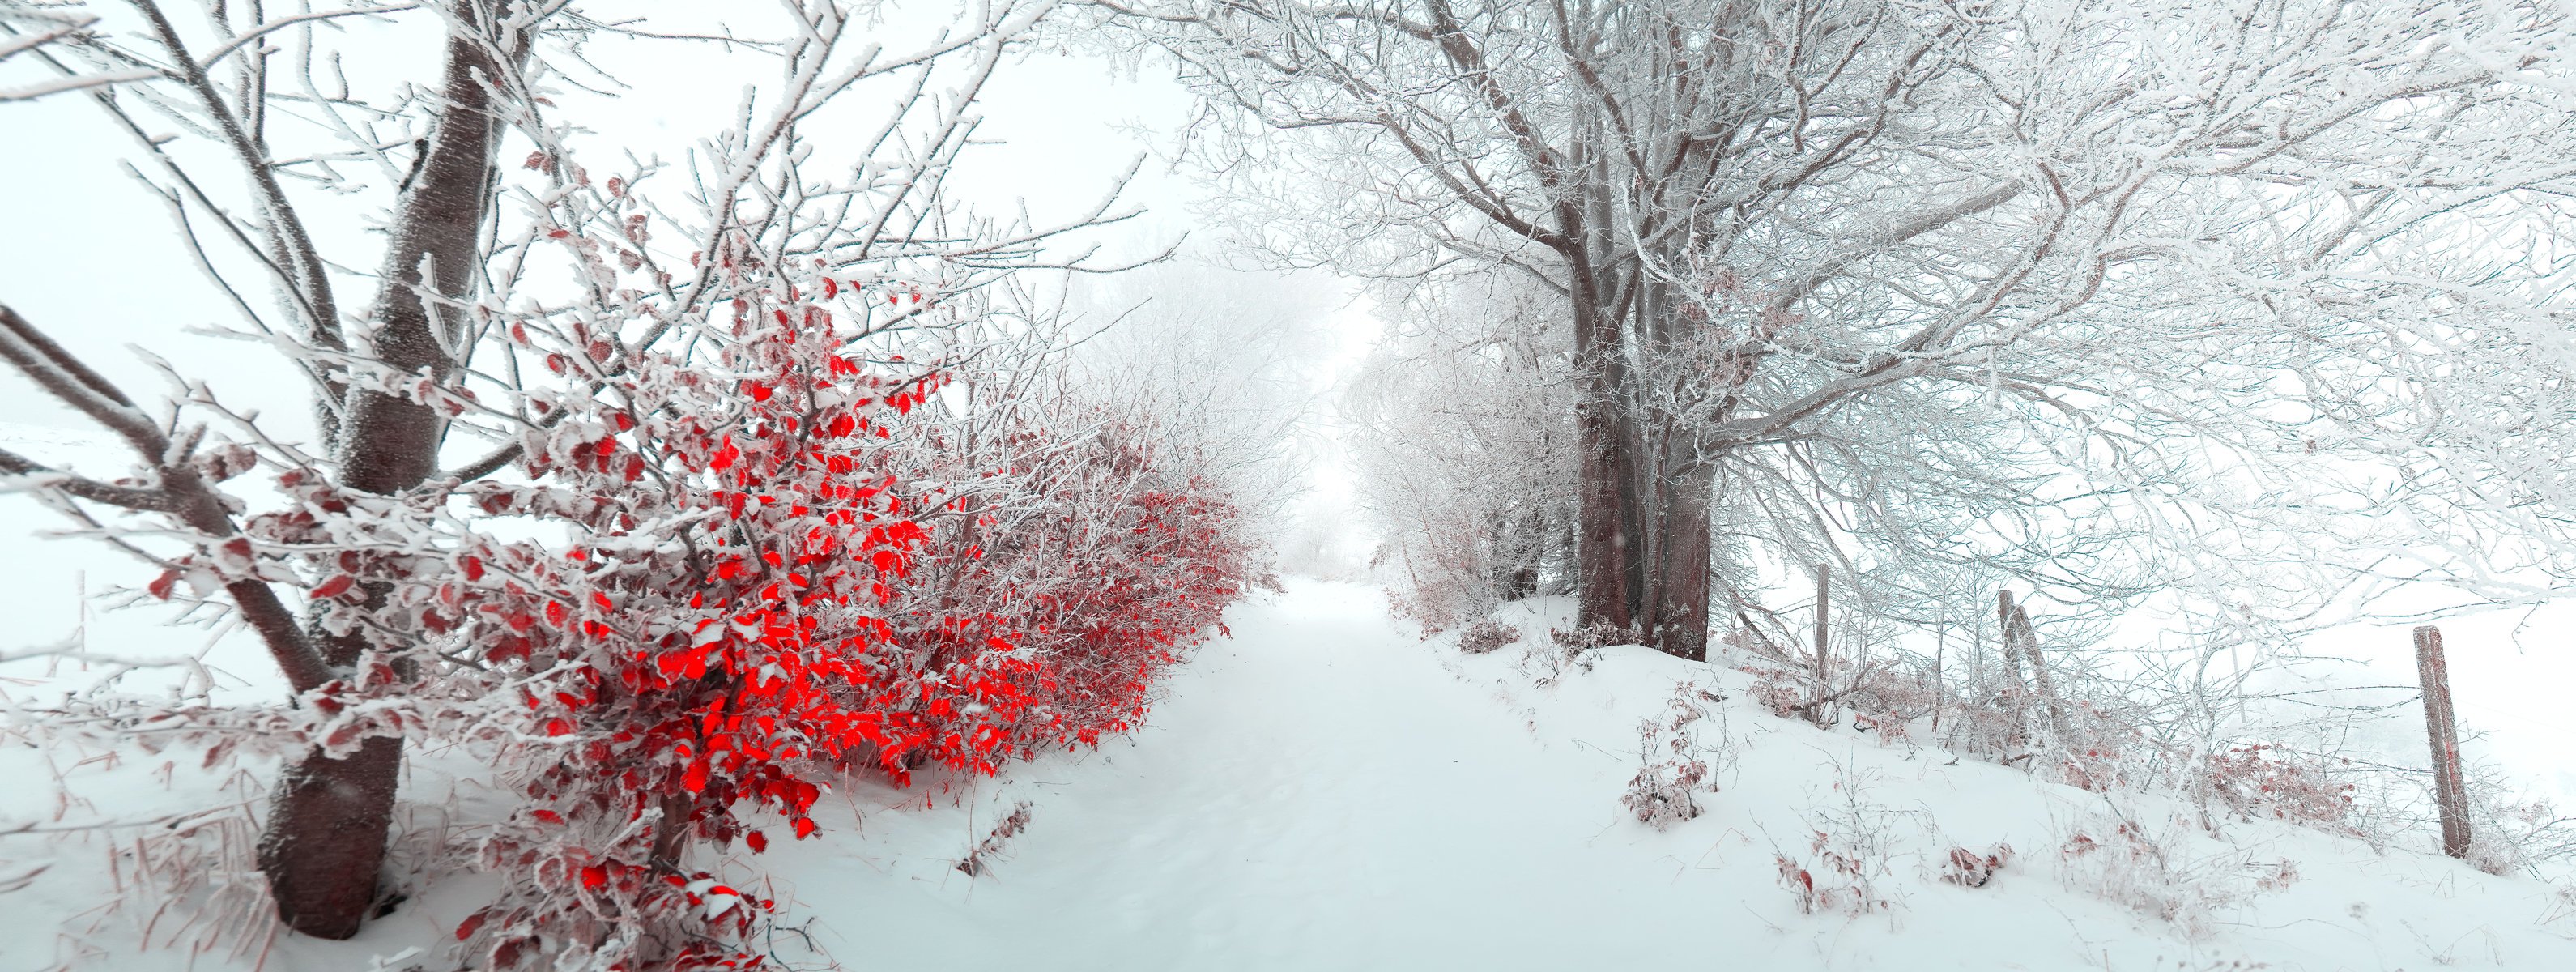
(973, 864)
(1674, 764)
(1486, 635)
(1969, 869)
(2157, 871)
(2260, 781)
(1850, 842)
(754, 569)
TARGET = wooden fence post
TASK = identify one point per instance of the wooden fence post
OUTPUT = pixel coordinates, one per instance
(2450, 788)
(1824, 689)
(2015, 695)
(2039, 675)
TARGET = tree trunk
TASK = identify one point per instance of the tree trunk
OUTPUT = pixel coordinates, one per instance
(1512, 568)
(1674, 487)
(329, 822)
(1680, 611)
(1603, 493)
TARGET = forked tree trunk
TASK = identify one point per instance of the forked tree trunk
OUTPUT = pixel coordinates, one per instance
(328, 826)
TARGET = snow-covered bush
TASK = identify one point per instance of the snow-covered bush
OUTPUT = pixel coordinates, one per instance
(1850, 844)
(2511, 833)
(2169, 871)
(2560, 916)
(672, 509)
(1486, 635)
(2261, 781)
(1674, 760)
(1544, 662)
(773, 567)
(1971, 869)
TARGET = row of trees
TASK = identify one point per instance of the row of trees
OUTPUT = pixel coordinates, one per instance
(675, 487)
(2113, 297)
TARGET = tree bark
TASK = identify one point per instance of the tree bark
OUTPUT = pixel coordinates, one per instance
(1603, 491)
(1680, 612)
(330, 819)
(1676, 493)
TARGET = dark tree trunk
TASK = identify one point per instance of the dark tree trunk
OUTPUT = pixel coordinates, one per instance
(1517, 546)
(1680, 613)
(1675, 489)
(328, 827)
(1604, 492)
(1608, 555)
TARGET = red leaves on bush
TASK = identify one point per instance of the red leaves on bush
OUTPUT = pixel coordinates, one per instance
(796, 592)
(1969, 869)
(2260, 780)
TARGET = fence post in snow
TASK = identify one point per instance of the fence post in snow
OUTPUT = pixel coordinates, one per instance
(1823, 689)
(2015, 694)
(2450, 789)
(2039, 676)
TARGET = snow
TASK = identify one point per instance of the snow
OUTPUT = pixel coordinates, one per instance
(1324, 789)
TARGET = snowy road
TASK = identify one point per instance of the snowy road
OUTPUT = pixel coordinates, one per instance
(1323, 791)
(1314, 794)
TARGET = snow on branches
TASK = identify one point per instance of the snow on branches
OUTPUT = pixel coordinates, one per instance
(777, 566)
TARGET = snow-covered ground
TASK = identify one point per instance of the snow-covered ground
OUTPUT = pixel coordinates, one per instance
(1324, 790)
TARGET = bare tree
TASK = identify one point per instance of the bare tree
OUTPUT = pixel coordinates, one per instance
(1926, 290)
(1461, 436)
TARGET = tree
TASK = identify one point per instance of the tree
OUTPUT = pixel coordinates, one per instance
(1592, 144)
(1461, 435)
(495, 339)
(1928, 290)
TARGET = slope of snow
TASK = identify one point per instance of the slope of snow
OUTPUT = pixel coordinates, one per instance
(1323, 790)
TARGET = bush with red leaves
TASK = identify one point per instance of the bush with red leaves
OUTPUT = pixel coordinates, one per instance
(2267, 782)
(1969, 869)
(762, 568)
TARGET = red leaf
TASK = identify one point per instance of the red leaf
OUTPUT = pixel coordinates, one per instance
(594, 876)
(338, 584)
(161, 586)
(758, 841)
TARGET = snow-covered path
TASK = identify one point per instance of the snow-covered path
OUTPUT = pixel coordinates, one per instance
(1306, 798)
(1323, 791)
